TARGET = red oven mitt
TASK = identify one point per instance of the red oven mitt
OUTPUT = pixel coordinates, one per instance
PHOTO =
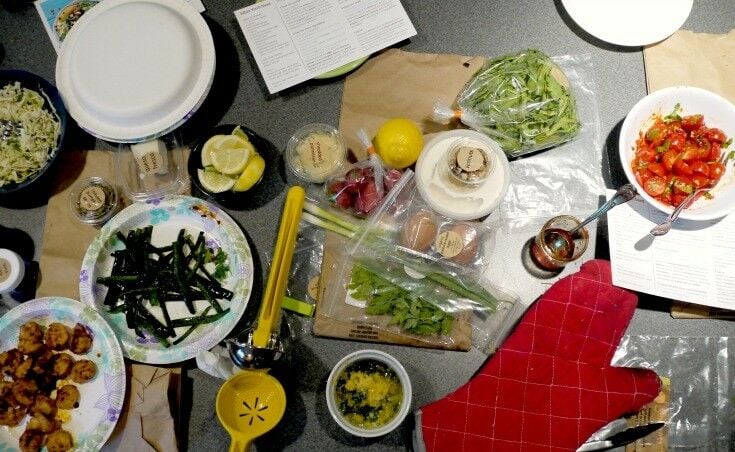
(550, 385)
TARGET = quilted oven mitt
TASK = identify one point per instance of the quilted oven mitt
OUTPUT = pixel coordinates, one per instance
(550, 385)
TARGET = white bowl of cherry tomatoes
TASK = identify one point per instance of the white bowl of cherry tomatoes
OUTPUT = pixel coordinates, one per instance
(677, 140)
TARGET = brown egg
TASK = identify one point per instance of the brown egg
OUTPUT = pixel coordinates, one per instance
(419, 231)
(471, 240)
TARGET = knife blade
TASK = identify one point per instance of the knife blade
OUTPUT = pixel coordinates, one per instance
(622, 438)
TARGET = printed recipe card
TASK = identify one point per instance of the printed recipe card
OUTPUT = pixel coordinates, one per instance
(296, 40)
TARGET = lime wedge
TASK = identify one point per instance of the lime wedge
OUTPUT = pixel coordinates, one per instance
(207, 149)
(238, 132)
(215, 182)
(252, 174)
(231, 154)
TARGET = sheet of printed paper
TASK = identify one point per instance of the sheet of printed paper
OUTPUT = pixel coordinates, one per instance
(295, 40)
(694, 262)
(58, 16)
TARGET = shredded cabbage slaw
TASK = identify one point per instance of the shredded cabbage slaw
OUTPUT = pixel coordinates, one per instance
(33, 137)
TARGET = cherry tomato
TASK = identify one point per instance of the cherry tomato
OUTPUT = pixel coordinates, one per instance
(668, 159)
(690, 152)
(681, 168)
(677, 140)
(677, 198)
(716, 135)
(657, 169)
(642, 176)
(699, 180)
(715, 170)
(655, 186)
(715, 153)
(692, 122)
(656, 134)
(700, 167)
(683, 184)
(646, 154)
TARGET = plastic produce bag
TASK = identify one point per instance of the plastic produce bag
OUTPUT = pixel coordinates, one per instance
(702, 374)
(523, 101)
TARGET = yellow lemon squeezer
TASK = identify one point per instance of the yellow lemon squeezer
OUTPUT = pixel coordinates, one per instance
(251, 402)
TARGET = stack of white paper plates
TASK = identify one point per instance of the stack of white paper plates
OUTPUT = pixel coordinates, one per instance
(131, 70)
(629, 22)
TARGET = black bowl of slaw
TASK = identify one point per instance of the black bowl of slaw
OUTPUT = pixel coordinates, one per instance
(54, 105)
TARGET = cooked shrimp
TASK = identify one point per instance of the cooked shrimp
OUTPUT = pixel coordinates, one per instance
(9, 360)
(31, 441)
(24, 391)
(67, 397)
(83, 370)
(59, 441)
(41, 423)
(57, 336)
(23, 368)
(44, 405)
(81, 341)
(11, 416)
(30, 339)
(44, 362)
(62, 364)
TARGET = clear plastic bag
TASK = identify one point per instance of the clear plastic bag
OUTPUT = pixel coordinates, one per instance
(702, 374)
(421, 294)
(358, 191)
(566, 179)
(523, 101)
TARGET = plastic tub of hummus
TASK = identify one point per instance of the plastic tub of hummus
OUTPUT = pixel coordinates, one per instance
(315, 152)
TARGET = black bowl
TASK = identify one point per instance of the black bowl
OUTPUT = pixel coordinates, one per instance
(38, 84)
(261, 193)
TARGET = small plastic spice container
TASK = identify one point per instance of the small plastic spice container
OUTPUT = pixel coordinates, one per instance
(12, 271)
(468, 163)
(94, 201)
(153, 168)
(316, 152)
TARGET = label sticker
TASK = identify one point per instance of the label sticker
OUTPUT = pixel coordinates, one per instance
(92, 199)
(313, 288)
(312, 154)
(449, 244)
(470, 159)
(150, 157)
(4, 269)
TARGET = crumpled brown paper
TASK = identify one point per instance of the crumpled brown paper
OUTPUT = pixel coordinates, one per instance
(396, 83)
(703, 60)
(149, 425)
(146, 424)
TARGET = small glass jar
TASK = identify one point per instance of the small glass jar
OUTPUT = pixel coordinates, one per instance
(468, 163)
(316, 152)
(554, 246)
(94, 201)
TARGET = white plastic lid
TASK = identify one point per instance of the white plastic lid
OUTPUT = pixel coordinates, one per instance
(12, 270)
(130, 70)
(450, 200)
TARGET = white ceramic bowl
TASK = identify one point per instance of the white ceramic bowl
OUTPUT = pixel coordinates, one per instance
(718, 112)
(390, 362)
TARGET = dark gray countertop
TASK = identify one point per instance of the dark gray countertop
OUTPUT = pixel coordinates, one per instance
(471, 27)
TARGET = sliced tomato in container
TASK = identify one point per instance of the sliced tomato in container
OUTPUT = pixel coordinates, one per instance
(655, 186)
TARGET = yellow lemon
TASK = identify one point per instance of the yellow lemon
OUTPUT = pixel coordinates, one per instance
(399, 142)
(230, 154)
(238, 132)
(210, 144)
(215, 182)
(252, 173)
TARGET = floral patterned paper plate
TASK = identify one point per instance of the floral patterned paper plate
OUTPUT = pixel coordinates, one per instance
(101, 399)
(168, 215)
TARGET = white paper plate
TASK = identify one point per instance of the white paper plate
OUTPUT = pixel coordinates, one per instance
(629, 22)
(101, 399)
(131, 70)
(168, 216)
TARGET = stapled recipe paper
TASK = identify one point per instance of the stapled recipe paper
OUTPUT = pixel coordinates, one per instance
(59, 16)
(694, 262)
(295, 40)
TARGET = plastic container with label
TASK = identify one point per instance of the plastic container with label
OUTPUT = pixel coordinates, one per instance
(152, 169)
(93, 200)
(316, 152)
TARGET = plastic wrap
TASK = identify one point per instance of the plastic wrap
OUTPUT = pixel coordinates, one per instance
(702, 374)
(358, 191)
(420, 292)
(566, 179)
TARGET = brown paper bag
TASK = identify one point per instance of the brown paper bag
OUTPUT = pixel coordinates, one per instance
(337, 320)
(706, 61)
(396, 83)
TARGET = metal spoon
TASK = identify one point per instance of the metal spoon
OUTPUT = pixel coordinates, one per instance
(663, 228)
(624, 194)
